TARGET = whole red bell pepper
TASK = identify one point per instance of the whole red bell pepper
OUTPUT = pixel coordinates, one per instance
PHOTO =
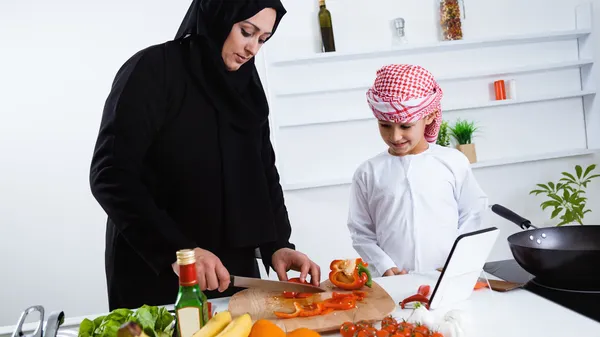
(350, 274)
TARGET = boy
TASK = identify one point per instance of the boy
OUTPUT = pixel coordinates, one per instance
(409, 203)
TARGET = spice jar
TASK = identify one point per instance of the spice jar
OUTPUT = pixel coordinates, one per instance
(398, 37)
(450, 19)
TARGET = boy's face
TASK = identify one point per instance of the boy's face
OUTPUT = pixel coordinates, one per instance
(407, 138)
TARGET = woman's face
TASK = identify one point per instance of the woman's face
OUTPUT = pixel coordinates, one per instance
(246, 38)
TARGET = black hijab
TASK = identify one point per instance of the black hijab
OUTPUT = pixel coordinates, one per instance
(242, 115)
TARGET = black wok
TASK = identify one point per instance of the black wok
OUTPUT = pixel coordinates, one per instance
(566, 257)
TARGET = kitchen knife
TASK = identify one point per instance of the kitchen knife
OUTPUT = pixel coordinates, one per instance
(270, 285)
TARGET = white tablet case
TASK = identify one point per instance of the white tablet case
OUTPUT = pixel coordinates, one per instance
(463, 267)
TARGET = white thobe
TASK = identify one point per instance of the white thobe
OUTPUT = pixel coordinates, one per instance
(407, 211)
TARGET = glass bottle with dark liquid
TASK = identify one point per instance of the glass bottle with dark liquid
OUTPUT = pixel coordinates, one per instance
(326, 28)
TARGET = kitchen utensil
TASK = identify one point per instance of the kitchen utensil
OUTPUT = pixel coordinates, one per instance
(503, 286)
(261, 304)
(55, 320)
(270, 285)
(563, 257)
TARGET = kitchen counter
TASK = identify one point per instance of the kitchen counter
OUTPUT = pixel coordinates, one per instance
(492, 314)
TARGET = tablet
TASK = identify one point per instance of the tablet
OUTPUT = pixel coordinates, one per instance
(463, 267)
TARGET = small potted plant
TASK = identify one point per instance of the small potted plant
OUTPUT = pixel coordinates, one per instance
(567, 196)
(463, 132)
(443, 136)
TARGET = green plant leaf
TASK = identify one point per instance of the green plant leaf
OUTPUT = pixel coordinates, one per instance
(569, 175)
(550, 203)
(556, 212)
(579, 171)
(555, 197)
(463, 131)
(544, 186)
(589, 169)
(536, 192)
(593, 176)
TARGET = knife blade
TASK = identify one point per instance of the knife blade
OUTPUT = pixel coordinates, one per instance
(270, 285)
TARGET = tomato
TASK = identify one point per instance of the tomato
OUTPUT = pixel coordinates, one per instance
(367, 332)
(418, 334)
(404, 331)
(391, 328)
(388, 320)
(360, 325)
(407, 325)
(422, 329)
(348, 329)
(382, 333)
(436, 334)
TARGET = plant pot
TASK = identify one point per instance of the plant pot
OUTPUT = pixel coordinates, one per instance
(469, 151)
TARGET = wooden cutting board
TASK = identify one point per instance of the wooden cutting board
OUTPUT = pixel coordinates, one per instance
(261, 304)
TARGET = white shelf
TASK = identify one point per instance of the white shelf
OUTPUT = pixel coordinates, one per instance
(490, 104)
(482, 164)
(457, 77)
(438, 47)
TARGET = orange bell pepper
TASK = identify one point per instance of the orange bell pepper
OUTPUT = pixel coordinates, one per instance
(350, 274)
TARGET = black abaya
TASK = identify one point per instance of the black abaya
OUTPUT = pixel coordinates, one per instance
(183, 159)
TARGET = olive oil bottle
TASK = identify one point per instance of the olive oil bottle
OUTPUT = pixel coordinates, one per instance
(191, 307)
(328, 41)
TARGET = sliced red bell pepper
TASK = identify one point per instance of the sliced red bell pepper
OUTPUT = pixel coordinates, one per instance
(293, 294)
(341, 303)
(350, 274)
(298, 309)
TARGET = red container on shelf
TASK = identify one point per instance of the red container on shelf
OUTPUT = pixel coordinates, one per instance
(500, 89)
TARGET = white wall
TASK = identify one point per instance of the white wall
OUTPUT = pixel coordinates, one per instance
(57, 63)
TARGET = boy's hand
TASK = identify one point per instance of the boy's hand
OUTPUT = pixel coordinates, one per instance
(394, 271)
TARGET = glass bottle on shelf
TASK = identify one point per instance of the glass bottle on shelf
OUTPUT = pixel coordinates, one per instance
(450, 19)
(328, 42)
(399, 36)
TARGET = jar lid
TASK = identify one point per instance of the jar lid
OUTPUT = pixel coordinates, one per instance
(399, 23)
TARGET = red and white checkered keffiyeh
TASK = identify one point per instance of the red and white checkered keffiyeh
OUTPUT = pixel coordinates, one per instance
(404, 93)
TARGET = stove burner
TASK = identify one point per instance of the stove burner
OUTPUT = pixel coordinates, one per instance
(572, 290)
(581, 299)
(583, 287)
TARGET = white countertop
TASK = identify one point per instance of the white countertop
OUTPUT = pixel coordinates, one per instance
(493, 314)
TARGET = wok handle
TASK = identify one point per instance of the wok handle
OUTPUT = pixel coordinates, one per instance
(511, 216)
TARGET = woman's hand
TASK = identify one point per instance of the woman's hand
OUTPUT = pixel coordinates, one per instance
(212, 274)
(394, 271)
(286, 259)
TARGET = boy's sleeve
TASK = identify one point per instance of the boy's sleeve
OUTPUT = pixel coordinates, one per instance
(362, 230)
(472, 203)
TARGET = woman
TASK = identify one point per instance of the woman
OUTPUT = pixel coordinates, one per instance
(184, 160)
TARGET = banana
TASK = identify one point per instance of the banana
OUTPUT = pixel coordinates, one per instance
(239, 327)
(215, 325)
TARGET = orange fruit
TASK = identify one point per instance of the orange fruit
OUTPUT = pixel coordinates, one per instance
(303, 332)
(266, 328)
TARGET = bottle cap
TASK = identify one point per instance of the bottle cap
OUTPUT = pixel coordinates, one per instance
(399, 23)
(185, 256)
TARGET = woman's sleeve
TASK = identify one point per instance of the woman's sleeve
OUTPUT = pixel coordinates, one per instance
(132, 116)
(282, 222)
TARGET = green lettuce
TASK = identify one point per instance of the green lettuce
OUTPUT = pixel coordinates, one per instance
(155, 321)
